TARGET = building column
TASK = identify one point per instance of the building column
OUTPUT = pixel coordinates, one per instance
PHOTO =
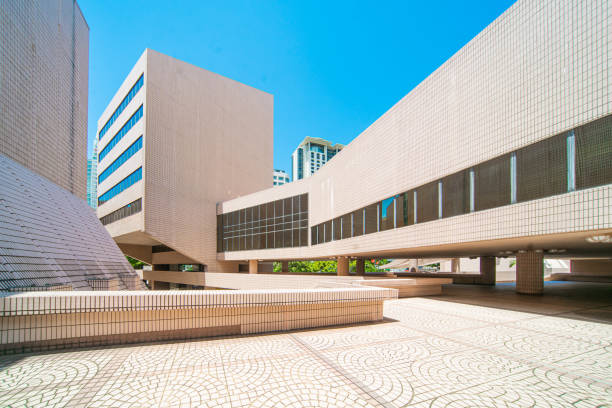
(530, 272)
(455, 265)
(360, 266)
(285, 266)
(343, 266)
(487, 270)
(252, 265)
(159, 285)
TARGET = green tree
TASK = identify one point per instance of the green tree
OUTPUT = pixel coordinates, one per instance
(136, 264)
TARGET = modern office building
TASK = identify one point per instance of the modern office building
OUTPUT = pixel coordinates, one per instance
(311, 155)
(175, 140)
(92, 177)
(44, 62)
(280, 177)
(504, 150)
(49, 237)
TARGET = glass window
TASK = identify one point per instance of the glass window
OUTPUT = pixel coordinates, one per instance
(347, 226)
(492, 183)
(427, 202)
(594, 153)
(456, 194)
(122, 132)
(387, 213)
(124, 103)
(121, 186)
(371, 218)
(337, 229)
(358, 222)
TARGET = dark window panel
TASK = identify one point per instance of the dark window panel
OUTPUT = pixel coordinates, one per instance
(427, 202)
(303, 236)
(278, 240)
(219, 233)
(287, 206)
(491, 183)
(320, 233)
(304, 203)
(358, 222)
(313, 235)
(278, 208)
(295, 236)
(346, 226)
(328, 230)
(270, 240)
(249, 215)
(336, 229)
(594, 153)
(371, 218)
(287, 239)
(296, 204)
(541, 169)
(456, 194)
(387, 214)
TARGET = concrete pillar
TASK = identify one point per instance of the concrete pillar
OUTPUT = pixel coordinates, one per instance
(360, 266)
(455, 265)
(487, 270)
(343, 266)
(530, 272)
(159, 285)
(252, 265)
(285, 266)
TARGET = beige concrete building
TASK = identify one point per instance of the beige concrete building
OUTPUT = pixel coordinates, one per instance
(44, 63)
(174, 141)
(49, 238)
(504, 150)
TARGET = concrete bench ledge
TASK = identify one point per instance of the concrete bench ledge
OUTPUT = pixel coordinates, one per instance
(410, 287)
(35, 321)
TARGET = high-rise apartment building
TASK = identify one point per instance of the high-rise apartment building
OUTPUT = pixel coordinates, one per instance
(49, 237)
(280, 177)
(174, 141)
(44, 62)
(92, 177)
(311, 155)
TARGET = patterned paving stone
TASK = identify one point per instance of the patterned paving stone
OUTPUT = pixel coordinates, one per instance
(428, 353)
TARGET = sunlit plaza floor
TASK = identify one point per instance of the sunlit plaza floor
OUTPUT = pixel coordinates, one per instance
(472, 346)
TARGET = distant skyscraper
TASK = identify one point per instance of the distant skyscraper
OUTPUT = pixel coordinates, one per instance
(44, 63)
(92, 177)
(280, 177)
(310, 155)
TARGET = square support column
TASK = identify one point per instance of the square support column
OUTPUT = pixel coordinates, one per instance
(456, 265)
(530, 273)
(285, 266)
(487, 270)
(360, 266)
(253, 265)
(343, 266)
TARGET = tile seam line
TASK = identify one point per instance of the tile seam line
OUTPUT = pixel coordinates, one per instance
(364, 389)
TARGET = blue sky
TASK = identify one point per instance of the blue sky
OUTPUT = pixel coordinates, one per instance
(333, 67)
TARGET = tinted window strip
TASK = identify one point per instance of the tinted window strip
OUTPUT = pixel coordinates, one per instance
(121, 186)
(124, 103)
(122, 132)
(129, 152)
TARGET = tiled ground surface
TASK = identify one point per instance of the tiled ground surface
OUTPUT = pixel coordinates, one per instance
(449, 351)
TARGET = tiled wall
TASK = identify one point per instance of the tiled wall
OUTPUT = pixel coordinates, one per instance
(44, 64)
(56, 320)
(50, 237)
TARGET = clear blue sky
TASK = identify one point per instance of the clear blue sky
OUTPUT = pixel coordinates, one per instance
(333, 67)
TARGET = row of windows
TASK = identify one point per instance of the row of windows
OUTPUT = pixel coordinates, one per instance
(277, 224)
(124, 103)
(120, 186)
(125, 211)
(578, 159)
(122, 132)
(129, 152)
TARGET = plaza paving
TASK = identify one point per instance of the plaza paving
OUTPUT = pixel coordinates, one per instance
(471, 347)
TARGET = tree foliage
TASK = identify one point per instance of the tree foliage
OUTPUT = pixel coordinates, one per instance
(329, 267)
(136, 264)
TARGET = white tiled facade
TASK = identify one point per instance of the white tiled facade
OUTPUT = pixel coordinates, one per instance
(206, 138)
(44, 63)
(540, 69)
